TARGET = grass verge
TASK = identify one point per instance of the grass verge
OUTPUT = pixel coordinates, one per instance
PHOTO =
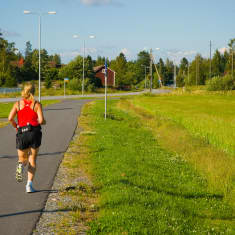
(145, 189)
(77, 197)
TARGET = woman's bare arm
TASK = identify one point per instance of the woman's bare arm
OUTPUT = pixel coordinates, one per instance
(41, 119)
(12, 115)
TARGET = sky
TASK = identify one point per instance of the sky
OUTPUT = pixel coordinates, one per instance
(172, 28)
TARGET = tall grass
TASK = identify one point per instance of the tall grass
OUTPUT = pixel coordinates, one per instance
(200, 129)
(210, 117)
(145, 189)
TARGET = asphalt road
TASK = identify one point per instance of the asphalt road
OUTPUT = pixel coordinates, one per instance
(19, 211)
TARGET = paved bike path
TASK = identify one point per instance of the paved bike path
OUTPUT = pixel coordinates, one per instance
(19, 211)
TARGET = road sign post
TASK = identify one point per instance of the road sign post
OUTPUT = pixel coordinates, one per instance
(105, 78)
(65, 80)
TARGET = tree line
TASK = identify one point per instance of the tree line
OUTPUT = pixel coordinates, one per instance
(16, 68)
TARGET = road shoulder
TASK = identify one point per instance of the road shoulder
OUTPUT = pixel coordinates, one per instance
(70, 204)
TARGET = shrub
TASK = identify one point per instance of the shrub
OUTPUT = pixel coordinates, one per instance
(221, 83)
(90, 87)
(75, 84)
(180, 80)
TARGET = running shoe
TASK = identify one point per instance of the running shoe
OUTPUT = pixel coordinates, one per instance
(30, 189)
(19, 172)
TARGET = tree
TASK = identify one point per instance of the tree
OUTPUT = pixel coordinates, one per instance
(28, 72)
(28, 50)
(184, 65)
(226, 62)
(183, 73)
(231, 45)
(217, 64)
(143, 60)
(100, 61)
(199, 71)
(44, 62)
(7, 55)
(73, 69)
(55, 60)
(169, 73)
(131, 75)
(161, 69)
(119, 66)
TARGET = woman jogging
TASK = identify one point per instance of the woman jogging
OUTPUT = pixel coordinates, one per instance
(28, 138)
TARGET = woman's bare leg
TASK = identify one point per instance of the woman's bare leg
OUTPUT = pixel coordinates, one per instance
(22, 161)
(32, 164)
(23, 156)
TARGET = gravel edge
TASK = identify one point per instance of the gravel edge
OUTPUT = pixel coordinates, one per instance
(52, 215)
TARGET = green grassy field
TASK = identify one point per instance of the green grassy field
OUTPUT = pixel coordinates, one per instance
(211, 117)
(145, 188)
(201, 129)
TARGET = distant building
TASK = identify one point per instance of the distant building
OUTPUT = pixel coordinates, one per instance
(100, 74)
(52, 64)
(18, 63)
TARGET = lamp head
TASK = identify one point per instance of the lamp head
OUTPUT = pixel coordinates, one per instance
(27, 12)
(51, 12)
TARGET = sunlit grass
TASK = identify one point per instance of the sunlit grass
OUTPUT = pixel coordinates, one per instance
(145, 188)
(216, 166)
(210, 117)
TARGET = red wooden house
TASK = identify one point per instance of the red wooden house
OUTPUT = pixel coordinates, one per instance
(18, 63)
(100, 73)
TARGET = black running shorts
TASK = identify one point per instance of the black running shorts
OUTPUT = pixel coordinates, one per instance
(30, 139)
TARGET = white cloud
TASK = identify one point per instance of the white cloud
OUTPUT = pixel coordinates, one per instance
(145, 48)
(100, 2)
(176, 55)
(181, 53)
(69, 54)
(126, 52)
(223, 49)
(72, 54)
(6, 33)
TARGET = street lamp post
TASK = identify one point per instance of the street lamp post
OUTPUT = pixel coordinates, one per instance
(83, 61)
(39, 45)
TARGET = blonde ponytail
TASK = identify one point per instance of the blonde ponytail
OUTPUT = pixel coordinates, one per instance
(28, 92)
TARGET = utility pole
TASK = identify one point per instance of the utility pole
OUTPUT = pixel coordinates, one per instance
(105, 114)
(232, 62)
(210, 59)
(197, 69)
(145, 77)
(188, 73)
(174, 75)
(83, 67)
(145, 68)
(151, 71)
